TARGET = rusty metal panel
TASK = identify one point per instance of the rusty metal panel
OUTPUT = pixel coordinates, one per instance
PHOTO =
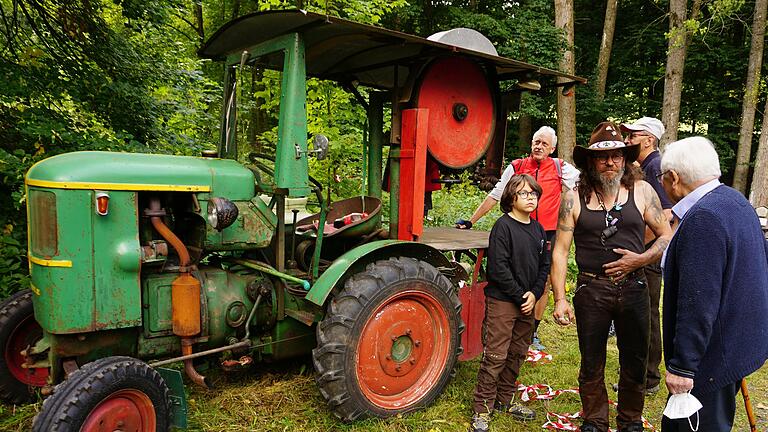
(63, 283)
(157, 298)
(117, 262)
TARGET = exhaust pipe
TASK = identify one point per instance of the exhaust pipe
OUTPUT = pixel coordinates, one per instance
(185, 292)
(189, 368)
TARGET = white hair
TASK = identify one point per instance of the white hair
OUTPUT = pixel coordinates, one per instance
(693, 159)
(547, 130)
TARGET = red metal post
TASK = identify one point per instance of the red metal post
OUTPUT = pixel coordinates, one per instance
(472, 298)
(413, 164)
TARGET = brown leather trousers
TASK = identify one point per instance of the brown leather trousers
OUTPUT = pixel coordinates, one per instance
(598, 301)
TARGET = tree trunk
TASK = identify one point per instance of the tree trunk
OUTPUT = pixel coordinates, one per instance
(673, 78)
(199, 22)
(759, 191)
(524, 132)
(566, 105)
(605, 48)
(751, 94)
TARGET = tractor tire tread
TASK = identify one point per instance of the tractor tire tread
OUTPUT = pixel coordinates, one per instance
(12, 308)
(70, 399)
(335, 332)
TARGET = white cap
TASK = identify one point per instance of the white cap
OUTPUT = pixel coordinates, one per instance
(647, 124)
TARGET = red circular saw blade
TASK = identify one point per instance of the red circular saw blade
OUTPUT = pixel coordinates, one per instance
(449, 85)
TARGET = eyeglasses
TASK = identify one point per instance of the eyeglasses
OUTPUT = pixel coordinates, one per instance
(660, 175)
(616, 158)
(526, 194)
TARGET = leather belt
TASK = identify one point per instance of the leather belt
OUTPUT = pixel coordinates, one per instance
(603, 276)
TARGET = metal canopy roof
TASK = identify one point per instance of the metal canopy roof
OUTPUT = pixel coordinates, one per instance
(346, 51)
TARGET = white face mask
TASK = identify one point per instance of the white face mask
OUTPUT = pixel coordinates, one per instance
(683, 405)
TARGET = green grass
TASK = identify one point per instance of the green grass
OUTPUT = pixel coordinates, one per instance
(284, 398)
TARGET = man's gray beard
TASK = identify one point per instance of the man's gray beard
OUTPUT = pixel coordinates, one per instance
(609, 186)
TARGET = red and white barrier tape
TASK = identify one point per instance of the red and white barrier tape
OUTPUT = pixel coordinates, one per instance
(538, 357)
(557, 421)
(541, 392)
(560, 421)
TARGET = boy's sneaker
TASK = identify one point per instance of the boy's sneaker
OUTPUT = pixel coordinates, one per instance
(536, 344)
(480, 422)
(516, 410)
(588, 427)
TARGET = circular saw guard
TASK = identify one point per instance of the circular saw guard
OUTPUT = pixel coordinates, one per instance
(461, 111)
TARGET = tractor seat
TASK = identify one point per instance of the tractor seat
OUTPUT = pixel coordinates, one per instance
(351, 217)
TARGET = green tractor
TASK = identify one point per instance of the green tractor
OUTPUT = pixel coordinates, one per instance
(138, 261)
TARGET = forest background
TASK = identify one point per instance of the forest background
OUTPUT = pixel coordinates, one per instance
(123, 75)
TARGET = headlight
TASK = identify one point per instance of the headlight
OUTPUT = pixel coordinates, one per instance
(221, 213)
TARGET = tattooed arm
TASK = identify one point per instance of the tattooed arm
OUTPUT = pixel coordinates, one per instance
(657, 219)
(648, 202)
(649, 235)
(569, 210)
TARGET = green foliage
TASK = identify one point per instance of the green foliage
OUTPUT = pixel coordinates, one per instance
(13, 260)
(93, 75)
(459, 202)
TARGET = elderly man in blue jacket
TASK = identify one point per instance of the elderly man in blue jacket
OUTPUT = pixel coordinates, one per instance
(715, 316)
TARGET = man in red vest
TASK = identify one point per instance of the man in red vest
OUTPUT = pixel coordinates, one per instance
(555, 176)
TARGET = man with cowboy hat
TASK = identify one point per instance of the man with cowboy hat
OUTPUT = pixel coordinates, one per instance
(606, 215)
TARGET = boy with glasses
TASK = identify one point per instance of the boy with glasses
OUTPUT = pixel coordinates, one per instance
(518, 264)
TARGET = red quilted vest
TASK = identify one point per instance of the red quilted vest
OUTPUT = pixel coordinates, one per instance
(549, 175)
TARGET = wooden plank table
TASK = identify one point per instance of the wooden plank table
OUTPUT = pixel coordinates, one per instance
(452, 239)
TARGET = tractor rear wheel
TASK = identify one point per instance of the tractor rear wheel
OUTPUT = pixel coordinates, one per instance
(19, 331)
(389, 341)
(113, 393)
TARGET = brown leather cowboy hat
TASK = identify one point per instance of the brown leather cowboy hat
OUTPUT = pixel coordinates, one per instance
(606, 136)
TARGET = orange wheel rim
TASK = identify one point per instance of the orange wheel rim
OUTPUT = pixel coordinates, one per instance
(403, 349)
(126, 410)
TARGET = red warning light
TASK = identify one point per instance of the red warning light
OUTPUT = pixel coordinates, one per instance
(102, 203)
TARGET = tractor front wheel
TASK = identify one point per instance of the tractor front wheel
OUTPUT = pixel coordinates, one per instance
(18, 332)
(113, 393)
(389, 341)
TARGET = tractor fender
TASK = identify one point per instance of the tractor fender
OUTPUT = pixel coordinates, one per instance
(356, 260)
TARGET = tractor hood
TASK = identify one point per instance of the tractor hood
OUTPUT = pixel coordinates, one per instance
(142, 172)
